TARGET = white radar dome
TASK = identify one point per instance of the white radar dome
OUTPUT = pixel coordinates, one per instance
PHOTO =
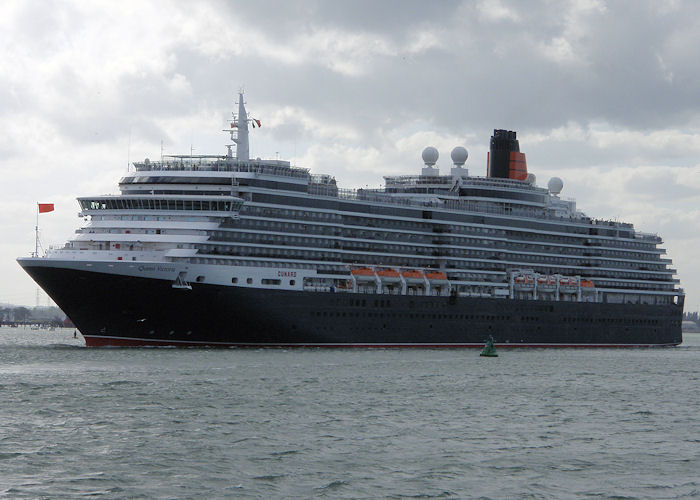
(531, 179)
(555, 185)
(430, 156)
(459, 155)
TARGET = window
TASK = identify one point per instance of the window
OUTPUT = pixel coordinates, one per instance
(249, 281)
(266, 281)
(291, 282)
(234, 280)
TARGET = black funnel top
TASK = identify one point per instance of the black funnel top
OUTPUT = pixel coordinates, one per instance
(503, 143)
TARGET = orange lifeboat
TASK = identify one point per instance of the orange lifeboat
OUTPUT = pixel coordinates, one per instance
(524, 283)
(546, 284)
(436, 276)
(587, 284)
(568, 285)
(362, 271)
(388, 273)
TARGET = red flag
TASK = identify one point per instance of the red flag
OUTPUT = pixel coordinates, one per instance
(258, 122)
(45, 207)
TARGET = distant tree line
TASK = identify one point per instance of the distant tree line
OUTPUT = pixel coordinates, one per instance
(50, 316)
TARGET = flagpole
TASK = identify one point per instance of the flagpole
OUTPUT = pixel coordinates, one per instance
(36, 228)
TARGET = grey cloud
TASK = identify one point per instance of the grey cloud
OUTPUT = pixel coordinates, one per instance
(486, 74)
(387, 16)
(660, 187)
(491, 72)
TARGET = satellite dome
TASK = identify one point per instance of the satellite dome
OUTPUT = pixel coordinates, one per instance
(430, 156)
(459, 155)
(555, 185)
(531, 179)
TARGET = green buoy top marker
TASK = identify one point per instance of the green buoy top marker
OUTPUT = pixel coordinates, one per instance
(489, 350)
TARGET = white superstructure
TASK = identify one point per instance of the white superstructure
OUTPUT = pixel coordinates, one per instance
(235, 221)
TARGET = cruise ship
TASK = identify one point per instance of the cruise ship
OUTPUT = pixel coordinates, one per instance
(227, 250)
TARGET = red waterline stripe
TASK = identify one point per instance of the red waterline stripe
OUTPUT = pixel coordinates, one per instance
(93, 341)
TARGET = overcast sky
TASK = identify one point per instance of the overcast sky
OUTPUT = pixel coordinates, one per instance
(605, 95)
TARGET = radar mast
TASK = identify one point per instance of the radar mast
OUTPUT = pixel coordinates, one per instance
(239, 130)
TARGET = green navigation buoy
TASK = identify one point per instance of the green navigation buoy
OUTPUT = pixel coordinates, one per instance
(489, 350)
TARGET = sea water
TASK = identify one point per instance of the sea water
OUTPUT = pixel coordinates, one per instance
(345, 423)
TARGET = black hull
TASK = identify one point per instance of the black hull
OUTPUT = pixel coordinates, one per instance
(121, 310)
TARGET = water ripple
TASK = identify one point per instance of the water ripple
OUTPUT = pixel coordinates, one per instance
(182, 423)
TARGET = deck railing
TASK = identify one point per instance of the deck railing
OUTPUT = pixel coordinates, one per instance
(321, 185)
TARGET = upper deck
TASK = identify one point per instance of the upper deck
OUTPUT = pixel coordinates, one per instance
(512, 196)
(208, 163)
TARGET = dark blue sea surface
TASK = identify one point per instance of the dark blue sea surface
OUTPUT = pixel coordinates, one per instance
(345, 423)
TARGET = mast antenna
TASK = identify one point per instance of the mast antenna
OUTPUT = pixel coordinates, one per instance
(37, 240)
(239, 129)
